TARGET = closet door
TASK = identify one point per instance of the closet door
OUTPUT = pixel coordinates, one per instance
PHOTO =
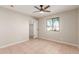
(35, 28)
(31, 32)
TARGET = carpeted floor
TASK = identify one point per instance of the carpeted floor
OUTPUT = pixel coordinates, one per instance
(39, 46)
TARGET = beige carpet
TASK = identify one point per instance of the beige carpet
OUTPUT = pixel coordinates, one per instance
(39, 46)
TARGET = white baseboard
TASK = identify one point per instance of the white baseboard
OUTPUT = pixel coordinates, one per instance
(4, 46)
(63, 42)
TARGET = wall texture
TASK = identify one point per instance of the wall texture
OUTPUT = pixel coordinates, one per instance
(14, 27)
(78, 25)
(68, 28)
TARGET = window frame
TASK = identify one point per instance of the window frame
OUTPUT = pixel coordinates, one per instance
(52, 24)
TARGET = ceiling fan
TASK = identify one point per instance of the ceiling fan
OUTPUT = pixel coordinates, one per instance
(42, 8)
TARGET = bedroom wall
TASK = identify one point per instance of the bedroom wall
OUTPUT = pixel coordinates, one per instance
(14, 27)
(68, 28)
(78, 25)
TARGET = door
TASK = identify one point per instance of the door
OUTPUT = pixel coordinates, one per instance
(35, 29)
(31, 30)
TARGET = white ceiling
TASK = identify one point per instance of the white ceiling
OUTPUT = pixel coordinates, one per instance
(29, 9)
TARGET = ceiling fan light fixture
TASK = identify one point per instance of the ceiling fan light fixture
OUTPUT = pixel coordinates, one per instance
(41, 12)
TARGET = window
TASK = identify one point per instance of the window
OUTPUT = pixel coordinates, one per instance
(53, 24)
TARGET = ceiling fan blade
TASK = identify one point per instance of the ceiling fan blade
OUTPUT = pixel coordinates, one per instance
(36, 11)
(37, 7)
(46, 7)
(47, 11)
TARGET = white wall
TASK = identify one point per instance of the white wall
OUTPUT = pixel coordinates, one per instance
(78, 25)
(68, 28)
(14, 27)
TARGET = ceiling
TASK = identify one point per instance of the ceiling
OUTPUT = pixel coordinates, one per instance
(29, 9)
